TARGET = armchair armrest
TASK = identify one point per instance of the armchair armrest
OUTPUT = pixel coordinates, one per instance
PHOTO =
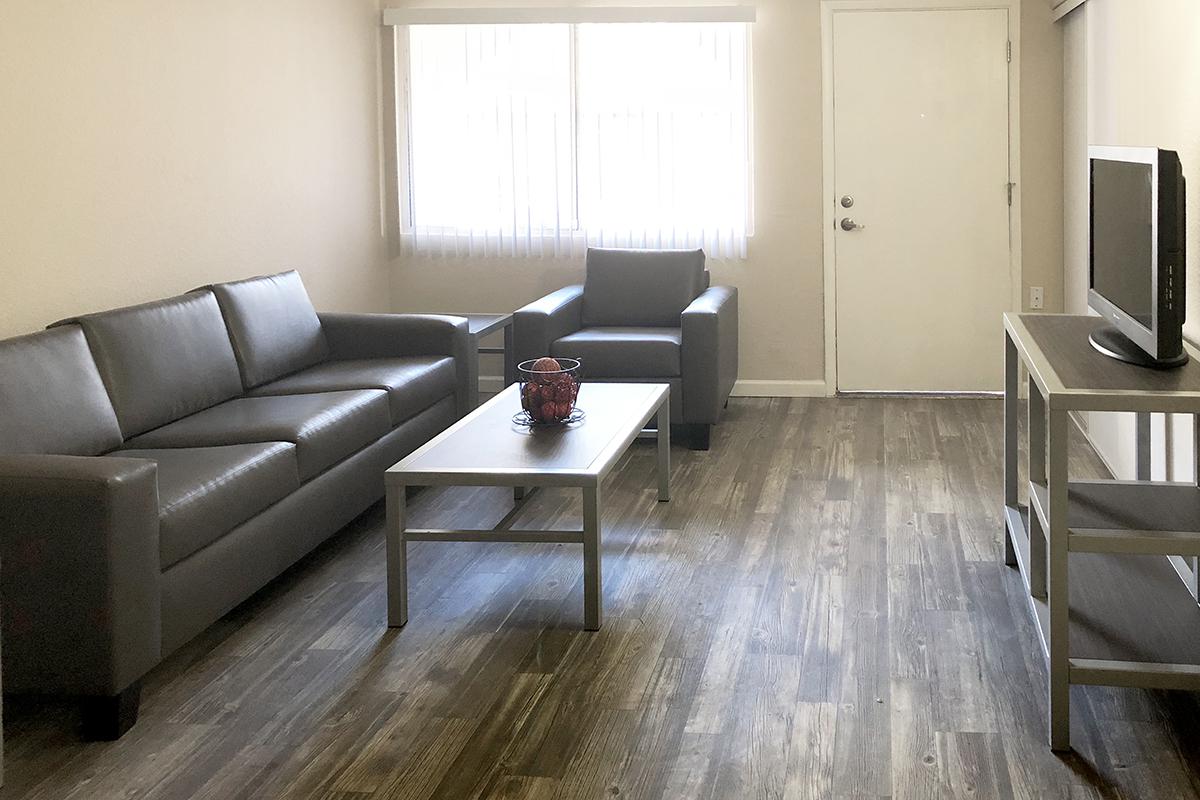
(390, 335)
(538, 324)
(79, 551)
(709, 353)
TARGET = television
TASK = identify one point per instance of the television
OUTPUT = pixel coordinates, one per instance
(1136, 254)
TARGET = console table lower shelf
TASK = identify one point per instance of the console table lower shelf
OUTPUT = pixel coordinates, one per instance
(1127, 610)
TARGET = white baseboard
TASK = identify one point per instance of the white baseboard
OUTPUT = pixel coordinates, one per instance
(814, 388)
(494, 383)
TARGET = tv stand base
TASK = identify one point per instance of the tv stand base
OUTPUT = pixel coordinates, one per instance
(1114, 344)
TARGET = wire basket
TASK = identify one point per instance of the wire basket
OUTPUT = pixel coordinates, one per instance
(549, 389)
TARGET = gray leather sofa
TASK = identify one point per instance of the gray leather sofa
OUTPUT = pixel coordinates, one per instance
(160, 463)
(648, 316)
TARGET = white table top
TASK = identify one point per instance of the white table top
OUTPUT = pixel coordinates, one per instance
(486, 448)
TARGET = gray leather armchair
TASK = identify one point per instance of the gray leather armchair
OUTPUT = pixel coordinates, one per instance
(644, 316)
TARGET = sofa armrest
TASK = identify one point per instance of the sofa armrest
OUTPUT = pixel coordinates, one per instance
(389, 335)
(79, 552)
(709, 353)
(537, 325)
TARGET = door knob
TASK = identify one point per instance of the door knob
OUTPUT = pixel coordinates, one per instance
(850, 225)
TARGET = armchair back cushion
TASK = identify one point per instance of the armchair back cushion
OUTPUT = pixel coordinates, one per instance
(641, 288)
(273, 326)
(52, 397)
(164, 360)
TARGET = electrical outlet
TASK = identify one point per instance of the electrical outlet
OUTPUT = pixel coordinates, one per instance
(1036, 300)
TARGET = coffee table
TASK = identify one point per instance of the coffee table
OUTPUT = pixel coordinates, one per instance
(486, 448)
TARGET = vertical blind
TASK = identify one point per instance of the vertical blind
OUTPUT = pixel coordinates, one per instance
(541, 139)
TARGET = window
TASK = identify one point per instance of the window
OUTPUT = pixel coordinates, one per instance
(539, 139)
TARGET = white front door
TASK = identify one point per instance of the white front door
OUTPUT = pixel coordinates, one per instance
(921, 157)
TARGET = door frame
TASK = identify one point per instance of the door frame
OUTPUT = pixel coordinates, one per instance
(829, 8)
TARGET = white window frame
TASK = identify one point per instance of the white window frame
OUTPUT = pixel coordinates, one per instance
(399, 20)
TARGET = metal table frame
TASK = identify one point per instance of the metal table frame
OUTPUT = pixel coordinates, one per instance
(1060, 521)
(399, 477)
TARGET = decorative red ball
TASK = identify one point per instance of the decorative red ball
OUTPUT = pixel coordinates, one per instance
(546, 364)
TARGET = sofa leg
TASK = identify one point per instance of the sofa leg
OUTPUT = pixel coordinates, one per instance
(699, 436)
(107, 718)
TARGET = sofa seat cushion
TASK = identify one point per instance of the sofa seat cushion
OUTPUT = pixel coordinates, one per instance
(205, 492)
(325, 428)
(413, 383)
(622, 352)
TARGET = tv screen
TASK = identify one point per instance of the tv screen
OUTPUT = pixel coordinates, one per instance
(1137, 254)
(1123, 261)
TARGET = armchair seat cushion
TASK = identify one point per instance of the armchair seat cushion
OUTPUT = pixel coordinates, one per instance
(623, 352)
(205, 492)
(325, 428)
(412, 383)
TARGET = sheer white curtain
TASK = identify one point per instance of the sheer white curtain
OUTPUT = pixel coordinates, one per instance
(539, 139)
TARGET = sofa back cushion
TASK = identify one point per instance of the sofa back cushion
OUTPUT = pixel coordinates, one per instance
(640, 287)
(273, 325)
(164, 360)
(51, 397)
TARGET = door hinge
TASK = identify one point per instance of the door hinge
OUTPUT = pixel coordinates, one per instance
(1010, 191)
(1008, 51)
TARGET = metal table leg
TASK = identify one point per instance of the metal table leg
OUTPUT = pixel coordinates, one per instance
(1011, 383)
(397, 558)
(1058, 597)
(1143, 447)
(664, 450)
(592, 594)
(510, 363)
(473, 374)
(1037, 474)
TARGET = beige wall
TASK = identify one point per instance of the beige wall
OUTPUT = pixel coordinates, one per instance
(1133, 78)
(147, 147)
(781, 282)
(1041, 154)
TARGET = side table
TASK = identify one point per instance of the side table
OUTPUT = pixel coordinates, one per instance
(480, 326)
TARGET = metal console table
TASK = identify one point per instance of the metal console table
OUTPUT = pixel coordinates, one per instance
(1109, 606)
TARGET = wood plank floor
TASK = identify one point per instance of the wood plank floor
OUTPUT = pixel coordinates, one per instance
(821, 612)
